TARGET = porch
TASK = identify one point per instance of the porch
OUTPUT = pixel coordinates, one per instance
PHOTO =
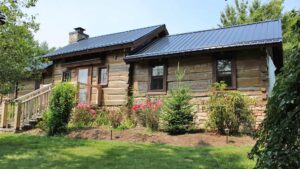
(27, 110)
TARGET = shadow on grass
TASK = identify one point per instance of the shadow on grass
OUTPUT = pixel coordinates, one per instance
(19, 151)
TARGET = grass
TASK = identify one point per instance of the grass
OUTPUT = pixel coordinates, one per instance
(24, 151)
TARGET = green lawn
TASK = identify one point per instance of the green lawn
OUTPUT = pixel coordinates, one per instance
(23, 151)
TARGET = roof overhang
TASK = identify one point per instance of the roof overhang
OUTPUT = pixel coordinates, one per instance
(91, 51)
(136, 58)
(131, 46)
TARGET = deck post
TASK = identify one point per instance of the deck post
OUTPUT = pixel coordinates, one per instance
(4, 112)
(17, 116)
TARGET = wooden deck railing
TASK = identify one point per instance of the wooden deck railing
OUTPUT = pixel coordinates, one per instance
(25, 109)
(18, 113)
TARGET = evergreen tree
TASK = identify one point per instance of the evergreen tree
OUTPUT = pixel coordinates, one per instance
(177, 111)
(241, 12)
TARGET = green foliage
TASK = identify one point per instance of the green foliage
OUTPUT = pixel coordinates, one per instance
(177, 111)
(241, 12)
(83, 116)
(114, 117)
(101, 118)
(290, 36)
(278, 144)
(61, 104)
(43, 124)
(18, 50)
(228, 109)
(126, 124)
(147, 114)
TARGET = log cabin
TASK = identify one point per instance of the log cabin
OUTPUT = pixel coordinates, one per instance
(141, 63)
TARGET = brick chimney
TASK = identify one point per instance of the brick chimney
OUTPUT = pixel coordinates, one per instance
(77, 35)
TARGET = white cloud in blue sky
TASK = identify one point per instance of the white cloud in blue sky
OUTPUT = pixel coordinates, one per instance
(59, 17)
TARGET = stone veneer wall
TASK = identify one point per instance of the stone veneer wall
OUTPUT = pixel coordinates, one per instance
(258, 109)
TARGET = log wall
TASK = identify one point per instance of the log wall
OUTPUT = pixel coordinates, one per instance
(115, 93)
(252, 80)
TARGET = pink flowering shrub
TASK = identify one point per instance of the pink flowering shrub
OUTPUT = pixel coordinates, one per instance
(83, 115)
(147, 113)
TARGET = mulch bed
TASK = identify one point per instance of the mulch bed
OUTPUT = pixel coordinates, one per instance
(142, 135)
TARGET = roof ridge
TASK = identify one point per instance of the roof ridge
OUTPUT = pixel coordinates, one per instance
(125, 31)
(227, 27)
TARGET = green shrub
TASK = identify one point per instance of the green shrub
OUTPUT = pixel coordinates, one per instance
(228, 109)
(126, 124)
(102, 118)
(43, 124)
(114, 117)
(61, 104)
(147, 114)
(83, 116)
(177, 112)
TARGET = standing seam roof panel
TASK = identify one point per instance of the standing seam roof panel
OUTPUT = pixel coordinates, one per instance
(105, 40)
(249, 34)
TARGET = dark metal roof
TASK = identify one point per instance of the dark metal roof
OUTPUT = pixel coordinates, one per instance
(105, 41)
(266, 32)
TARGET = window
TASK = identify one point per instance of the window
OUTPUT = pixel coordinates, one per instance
(103, 76)
(157, 75)
(66, 76)
(225, 72)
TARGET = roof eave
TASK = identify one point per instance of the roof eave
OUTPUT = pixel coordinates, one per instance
(91, 51)
(167, 55)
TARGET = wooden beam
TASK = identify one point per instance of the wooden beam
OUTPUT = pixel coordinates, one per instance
(4, 115)
(17, 116)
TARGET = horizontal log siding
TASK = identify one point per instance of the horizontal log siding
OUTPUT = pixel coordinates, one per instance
(251, 80)
(115, 93)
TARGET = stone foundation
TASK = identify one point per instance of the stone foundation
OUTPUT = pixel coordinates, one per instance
(258, 108)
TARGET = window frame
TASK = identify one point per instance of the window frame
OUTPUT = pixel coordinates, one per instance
(63, 76)
(151, 66)
(233, 71)
(99, 74)
(89, 81)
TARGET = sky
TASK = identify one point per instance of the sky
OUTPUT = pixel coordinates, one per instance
(58, 17)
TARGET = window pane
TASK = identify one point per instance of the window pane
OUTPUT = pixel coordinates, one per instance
(83, 95)
(158, 71)
(103, 76)
(224, 65)
(226, 79)
(83, 76)
(224, 72)
(66, 76)
(157, 83)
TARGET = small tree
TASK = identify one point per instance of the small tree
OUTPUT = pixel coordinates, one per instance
(61, 104)
(177, 111)
(228, 109)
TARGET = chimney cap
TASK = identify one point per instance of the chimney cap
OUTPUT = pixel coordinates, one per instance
(79, 29)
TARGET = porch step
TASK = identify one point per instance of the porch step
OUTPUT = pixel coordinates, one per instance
(7, 130)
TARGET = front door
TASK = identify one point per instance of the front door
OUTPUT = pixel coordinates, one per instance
(84, 86)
